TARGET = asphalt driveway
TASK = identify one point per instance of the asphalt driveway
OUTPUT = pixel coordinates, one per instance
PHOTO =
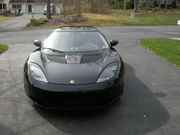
(150, 104)
(17, 23)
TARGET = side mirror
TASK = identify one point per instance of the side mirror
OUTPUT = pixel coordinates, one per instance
(114, 42)
(37, 43)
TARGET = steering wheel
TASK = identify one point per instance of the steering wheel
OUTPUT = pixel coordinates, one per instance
(87, 44)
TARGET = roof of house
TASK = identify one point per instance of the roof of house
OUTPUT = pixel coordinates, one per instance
(28, 1)
(36, 1)
(18, 1)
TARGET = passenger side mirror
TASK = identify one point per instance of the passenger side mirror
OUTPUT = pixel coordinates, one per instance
(37, 43)
(114, 42)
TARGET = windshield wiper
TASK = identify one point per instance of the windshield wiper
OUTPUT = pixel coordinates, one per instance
(54, 50)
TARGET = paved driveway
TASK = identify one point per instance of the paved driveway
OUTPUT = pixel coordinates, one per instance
(17, 23)
(150, 104)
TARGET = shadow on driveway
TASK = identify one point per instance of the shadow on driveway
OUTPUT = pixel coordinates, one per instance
(137, 112)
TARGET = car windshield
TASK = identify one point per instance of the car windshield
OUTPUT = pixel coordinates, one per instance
(76, 41)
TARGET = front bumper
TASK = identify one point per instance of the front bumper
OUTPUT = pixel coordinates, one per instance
(73, 97)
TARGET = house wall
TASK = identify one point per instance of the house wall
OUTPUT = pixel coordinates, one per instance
(36, 7)
(5, 2)
(23, 7)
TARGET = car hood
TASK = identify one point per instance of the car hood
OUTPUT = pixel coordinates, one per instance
(75, 68)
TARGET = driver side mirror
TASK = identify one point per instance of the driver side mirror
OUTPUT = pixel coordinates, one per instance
(37, 43)
(114, 42)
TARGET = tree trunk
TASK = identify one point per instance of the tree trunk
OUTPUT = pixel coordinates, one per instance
(135, 5)
(166, 5)
(64, 7)
(49, 9)
(159, 4)
(178, 3)
(146, 5)
(78, 8)
(153, 3)
(125, 4)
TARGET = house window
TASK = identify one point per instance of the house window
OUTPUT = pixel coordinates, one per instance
(3, 6)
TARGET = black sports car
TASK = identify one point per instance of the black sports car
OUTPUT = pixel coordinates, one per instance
(75, 68)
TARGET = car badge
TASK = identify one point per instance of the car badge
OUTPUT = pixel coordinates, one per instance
(72, 81)
(73, 59)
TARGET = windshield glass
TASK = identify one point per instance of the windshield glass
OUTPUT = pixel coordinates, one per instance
(76, 41)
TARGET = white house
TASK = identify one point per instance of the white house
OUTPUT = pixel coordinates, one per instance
(4, 4)
(31, 6)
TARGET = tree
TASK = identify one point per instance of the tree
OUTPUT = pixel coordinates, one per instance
(159, 4)
(135, 5)
(166, 5)
(146, 5)
(64, 7)
(78, 8)
(178, 3)
(125, 4)
(153, 3)
(49, 9)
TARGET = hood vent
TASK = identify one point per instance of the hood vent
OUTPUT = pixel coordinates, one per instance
(75, 58)
(91, 58)
(57, 59)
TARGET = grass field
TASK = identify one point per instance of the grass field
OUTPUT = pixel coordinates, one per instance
(3, 48)
(3, 17)
(121, 17)
(168, 49)
(115, 19)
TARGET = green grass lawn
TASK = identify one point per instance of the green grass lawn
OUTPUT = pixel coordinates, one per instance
(3, 17)
(147, 19)
(121, 17)
(118, 19)
(168, 49)
(3, 48)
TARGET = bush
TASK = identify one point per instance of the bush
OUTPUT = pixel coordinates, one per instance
(41, 21)
(155, 9)
(97, 6)
(5, 12)
(38, 21)
(172, 5)
(120, 5)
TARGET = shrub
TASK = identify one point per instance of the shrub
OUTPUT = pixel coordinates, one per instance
(41, 21)
(97, 6)
(155, 9)
(38, 21)
(172, 5)
(120, 5)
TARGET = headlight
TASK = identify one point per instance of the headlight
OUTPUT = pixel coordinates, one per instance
(109, 72)
(36, 72)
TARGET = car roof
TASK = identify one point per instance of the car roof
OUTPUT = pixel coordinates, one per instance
(76, 29)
